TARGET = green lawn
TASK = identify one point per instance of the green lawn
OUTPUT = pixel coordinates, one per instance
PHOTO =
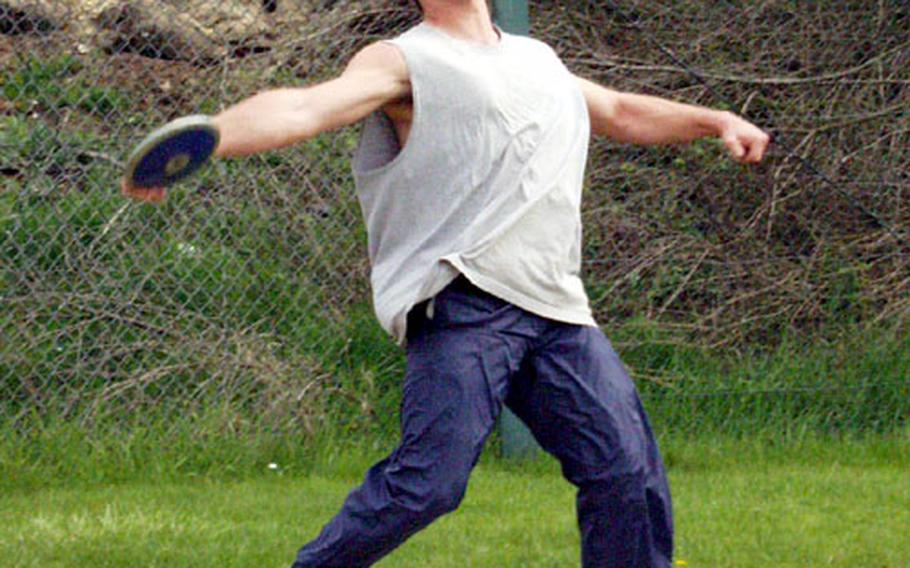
(838, 505)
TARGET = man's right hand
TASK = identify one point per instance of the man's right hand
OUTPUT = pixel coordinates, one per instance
(144, 194)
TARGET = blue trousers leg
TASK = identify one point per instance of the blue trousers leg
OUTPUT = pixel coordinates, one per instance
(564, 381)
(454, 389)
(582, 407)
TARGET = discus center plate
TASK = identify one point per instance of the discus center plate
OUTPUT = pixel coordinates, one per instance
(176, 164)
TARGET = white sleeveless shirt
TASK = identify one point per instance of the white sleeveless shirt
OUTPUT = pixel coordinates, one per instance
(488, 184)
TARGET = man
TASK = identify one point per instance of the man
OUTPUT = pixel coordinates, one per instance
(469, 172)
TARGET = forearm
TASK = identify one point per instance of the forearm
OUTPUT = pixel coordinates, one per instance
(642, 119)
(267, 121)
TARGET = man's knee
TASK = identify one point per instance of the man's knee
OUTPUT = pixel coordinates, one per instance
(442, 499)
(449, 497)
(430, 496)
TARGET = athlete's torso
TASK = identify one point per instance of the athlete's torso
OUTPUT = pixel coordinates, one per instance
(480, 173)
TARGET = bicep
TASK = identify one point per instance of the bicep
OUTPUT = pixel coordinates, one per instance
(603, 106)
(375, 77)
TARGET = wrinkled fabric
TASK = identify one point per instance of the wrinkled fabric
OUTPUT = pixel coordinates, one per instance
(488, 183)
(467, 356)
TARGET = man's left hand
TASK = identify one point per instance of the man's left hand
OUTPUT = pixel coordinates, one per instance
(746, 142)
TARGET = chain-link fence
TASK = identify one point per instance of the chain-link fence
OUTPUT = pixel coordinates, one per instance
(248, 290)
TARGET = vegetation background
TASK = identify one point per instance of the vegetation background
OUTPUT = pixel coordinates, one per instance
(234, 322)
(201, 383)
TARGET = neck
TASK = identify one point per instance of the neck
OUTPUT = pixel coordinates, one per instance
(469, 20)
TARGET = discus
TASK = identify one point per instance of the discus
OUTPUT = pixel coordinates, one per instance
(172, 152)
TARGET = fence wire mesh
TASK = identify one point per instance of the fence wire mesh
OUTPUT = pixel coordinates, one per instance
(249, 288)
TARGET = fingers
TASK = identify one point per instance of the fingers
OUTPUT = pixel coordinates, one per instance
(735, 147)
(748, 148)
(756, 152)
(148, 195)
(143, 194)
(756, 147)
(746, 142)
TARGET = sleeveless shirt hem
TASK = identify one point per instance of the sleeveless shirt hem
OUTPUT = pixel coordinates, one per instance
(491, 286)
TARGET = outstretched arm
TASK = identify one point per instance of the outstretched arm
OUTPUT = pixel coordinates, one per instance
(278, 118)
(642, 119)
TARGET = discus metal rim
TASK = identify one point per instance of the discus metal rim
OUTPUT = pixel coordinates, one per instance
(187, 124)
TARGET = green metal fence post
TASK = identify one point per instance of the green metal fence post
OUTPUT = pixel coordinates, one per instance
(517, 441)
(512, 16)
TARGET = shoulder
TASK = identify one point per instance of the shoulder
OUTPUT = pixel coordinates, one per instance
(542, 53)
(380, 55)
(396, 55)
(382, 66)
(531, 44)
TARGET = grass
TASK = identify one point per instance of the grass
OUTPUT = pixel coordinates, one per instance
(853, 388)
(236, 287)
(818, 503)
(56, 83)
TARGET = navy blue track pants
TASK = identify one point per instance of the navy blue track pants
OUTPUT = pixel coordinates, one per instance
(564, 381)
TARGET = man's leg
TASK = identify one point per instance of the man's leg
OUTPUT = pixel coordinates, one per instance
(457, 377)
(583, 408)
